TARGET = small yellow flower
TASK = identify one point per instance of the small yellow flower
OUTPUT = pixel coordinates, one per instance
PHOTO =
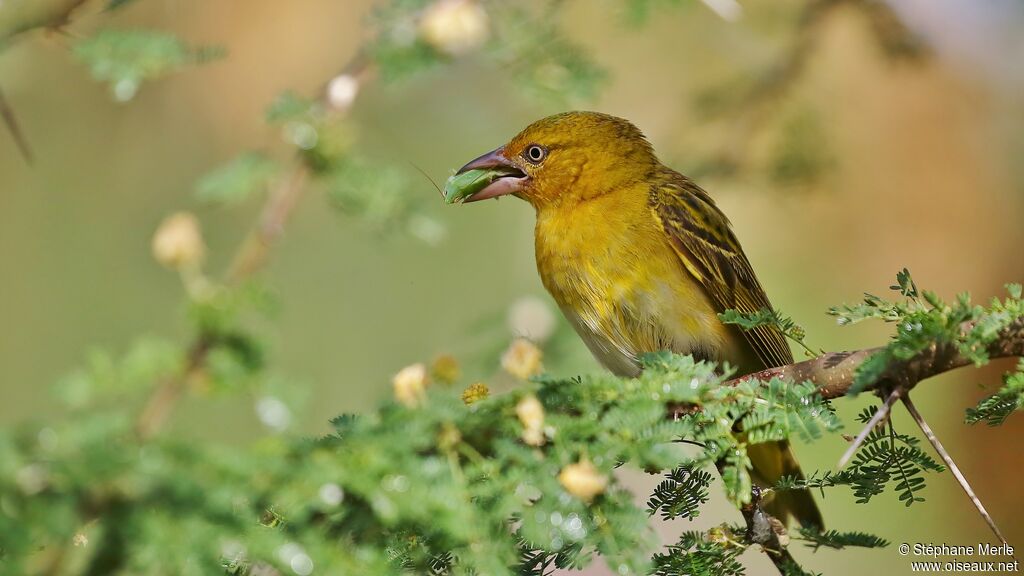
(531, 414)
(454, 26)
(522, 359)
(475, 393)
(445, 369)
(582, 480)
(80, 540)
(410, 385)
(178, 243)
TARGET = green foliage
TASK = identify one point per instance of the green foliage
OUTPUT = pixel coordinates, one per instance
(771, 318)
(995, 409)
(638, 12)
(681, 494)
(886, 458)
(764, 411)
(528, 45)
(435, 486)
(839, 540)
(700, 554)
(126, 58)
(924, 319)
(787, 410)
(542, 61)
(107, 378)
(374, 193)
(236, 181)
(440, 486)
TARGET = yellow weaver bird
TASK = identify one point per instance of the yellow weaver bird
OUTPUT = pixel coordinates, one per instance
(637, 256)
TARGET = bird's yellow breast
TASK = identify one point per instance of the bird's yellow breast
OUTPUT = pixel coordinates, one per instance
(609, 265)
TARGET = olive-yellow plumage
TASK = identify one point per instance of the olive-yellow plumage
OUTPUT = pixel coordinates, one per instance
(637, 256)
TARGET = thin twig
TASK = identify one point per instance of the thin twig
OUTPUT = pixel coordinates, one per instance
(881, 414)
(163, 398)
(11, 120)
(952, 467)
(251, 257)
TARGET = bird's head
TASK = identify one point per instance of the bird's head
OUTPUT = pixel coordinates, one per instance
(559, 160)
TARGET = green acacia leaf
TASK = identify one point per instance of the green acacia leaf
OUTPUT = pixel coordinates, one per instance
(126, 58)
(236, 181)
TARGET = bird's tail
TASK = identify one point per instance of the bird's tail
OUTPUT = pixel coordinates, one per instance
(771, 461)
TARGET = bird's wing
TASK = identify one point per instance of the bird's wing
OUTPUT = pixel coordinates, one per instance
(702, 237)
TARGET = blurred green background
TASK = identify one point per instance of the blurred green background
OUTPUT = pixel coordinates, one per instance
(862, 164)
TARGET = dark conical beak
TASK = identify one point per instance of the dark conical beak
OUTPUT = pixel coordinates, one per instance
(488, 176)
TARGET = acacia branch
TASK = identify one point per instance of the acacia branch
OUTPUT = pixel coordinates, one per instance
(834, 372)
(11, 120)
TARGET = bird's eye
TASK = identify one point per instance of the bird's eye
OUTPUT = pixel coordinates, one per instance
(535, 153)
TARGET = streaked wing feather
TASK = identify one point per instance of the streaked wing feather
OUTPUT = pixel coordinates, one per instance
(707, 247)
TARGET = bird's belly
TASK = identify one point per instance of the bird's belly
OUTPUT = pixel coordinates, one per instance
(632, 301)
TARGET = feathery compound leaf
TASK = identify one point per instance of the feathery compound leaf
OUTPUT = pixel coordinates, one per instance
(236, 181)
(700, 554)
(770, 318)
(839, 540)
(681, 494)
(995, 409)
(905, 284)
(736, 475)
(126, 58)
(885, 457)
(788, 410)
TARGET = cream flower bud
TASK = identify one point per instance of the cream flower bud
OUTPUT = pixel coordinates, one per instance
(454, 26)
(410, 385)
(342, 91)
(530, 412)
(522, 359)
(582, 480)
(178, 243)
(531, 317)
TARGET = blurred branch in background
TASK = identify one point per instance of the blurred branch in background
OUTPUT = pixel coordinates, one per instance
(747, 104)
(12, 126)
(124, 58)
(17, 16)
